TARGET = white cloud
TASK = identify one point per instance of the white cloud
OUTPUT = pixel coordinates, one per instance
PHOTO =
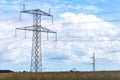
(70, 25)
(97, 36)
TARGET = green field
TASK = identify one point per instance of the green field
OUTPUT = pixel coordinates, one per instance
(104, 75)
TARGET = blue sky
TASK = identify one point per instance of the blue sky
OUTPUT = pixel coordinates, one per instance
(83, 27)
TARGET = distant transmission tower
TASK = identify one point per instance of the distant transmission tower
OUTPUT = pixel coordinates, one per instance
(37, 28)
(93, 63)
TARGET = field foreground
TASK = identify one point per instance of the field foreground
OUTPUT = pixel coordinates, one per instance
(104, 75)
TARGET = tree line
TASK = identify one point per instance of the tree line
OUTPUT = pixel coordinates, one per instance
(6, 71)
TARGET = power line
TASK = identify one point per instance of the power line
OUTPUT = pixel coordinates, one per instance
(109, 12)
(64, 40)
(4, 41)
(21, 47)
(88, 22)
(14, 22)
(101, 13)
(9, 37)
(13, 41)
(98, 36)
(76, 38)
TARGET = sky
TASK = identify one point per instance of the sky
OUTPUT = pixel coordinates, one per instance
(83, 27)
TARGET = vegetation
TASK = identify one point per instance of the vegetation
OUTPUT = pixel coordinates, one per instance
(5, 71)
(111, 75)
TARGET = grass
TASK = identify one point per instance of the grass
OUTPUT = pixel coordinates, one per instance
(109, 75)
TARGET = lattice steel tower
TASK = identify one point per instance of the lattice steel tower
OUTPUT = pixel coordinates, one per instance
(37, 28)
(93, 63)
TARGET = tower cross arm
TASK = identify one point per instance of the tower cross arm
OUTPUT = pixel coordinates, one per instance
(39, 29)
(36, 11)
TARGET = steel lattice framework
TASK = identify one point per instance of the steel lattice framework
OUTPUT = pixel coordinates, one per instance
(37, 28)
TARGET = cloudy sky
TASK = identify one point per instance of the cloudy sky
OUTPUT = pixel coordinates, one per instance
(83, 27)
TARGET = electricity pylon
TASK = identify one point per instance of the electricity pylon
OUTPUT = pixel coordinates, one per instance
(37, 28)
(93, 63)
